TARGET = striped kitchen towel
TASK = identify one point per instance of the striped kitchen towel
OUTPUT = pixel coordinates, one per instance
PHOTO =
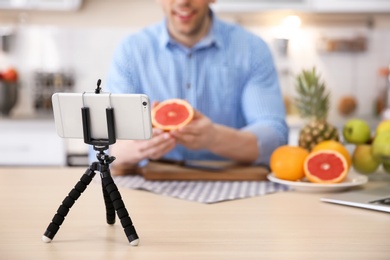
(201, 191)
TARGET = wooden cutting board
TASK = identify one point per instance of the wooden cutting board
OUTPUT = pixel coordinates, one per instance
(158, 171)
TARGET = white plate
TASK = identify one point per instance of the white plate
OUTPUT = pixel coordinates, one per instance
(353, 179)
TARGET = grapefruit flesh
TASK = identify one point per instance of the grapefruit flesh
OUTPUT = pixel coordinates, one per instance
(326, 166)
(172, 114)
(336, 146)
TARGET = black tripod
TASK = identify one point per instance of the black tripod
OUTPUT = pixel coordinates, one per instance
(112, 197)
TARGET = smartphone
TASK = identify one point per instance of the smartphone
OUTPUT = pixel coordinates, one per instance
(132, 115)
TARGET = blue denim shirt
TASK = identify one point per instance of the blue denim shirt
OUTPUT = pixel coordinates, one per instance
(229, 76)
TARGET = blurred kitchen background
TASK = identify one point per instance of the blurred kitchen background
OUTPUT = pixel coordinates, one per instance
(66, 45)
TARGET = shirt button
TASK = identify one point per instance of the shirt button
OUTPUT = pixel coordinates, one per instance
(188, 85)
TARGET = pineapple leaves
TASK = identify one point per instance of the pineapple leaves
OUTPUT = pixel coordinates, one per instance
(312, 99)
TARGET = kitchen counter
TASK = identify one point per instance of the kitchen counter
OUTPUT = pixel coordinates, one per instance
(286, 225)
(295, 121)
(30, 142)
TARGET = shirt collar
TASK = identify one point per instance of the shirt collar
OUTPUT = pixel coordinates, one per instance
(214, 36)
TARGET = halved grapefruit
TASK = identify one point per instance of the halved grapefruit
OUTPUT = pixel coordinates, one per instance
(336, 146)
(326, 166)
(172, 114)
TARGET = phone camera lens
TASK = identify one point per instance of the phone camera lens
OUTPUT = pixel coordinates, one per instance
(144, 103)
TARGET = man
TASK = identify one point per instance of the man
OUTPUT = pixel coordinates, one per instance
(227, 75)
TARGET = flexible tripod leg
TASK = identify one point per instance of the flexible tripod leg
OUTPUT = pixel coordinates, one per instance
(116, 199)
(67, 203)
(110, 210)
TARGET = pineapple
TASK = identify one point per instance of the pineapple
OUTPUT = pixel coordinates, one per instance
(312, 103)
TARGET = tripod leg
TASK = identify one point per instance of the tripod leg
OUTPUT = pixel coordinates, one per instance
(110, 210)
(67, 203)
(127, 224)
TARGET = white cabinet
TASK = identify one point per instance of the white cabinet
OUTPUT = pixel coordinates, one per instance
(313, 6)
(293, 136)
(30, 143)
(350, 6)
(260, 5)
(52, 5)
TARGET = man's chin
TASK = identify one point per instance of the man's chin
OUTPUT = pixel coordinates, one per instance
(184, 30)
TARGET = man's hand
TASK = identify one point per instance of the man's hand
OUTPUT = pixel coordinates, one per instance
(198, 134)
(202, 133)
(134, 151)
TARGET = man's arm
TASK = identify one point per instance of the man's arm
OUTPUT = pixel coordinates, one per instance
(236, 145)
(202, 133)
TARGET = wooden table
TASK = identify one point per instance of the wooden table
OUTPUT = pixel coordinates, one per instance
(289, 225)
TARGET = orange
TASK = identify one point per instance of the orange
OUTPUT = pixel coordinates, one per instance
(326, 166)
(335, 146)
(286, 162)
(172, 114)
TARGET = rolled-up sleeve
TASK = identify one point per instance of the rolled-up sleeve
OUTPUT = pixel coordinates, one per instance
(263, 107)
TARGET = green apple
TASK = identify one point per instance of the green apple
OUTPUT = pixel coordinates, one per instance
(386, 167)
(381, 147)
(363, 160)
(383, 126)
(356, 131)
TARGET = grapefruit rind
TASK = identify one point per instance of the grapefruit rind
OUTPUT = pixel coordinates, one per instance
(172, 114)
(319, 170)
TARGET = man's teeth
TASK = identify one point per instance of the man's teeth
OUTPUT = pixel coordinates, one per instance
(184, 13)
